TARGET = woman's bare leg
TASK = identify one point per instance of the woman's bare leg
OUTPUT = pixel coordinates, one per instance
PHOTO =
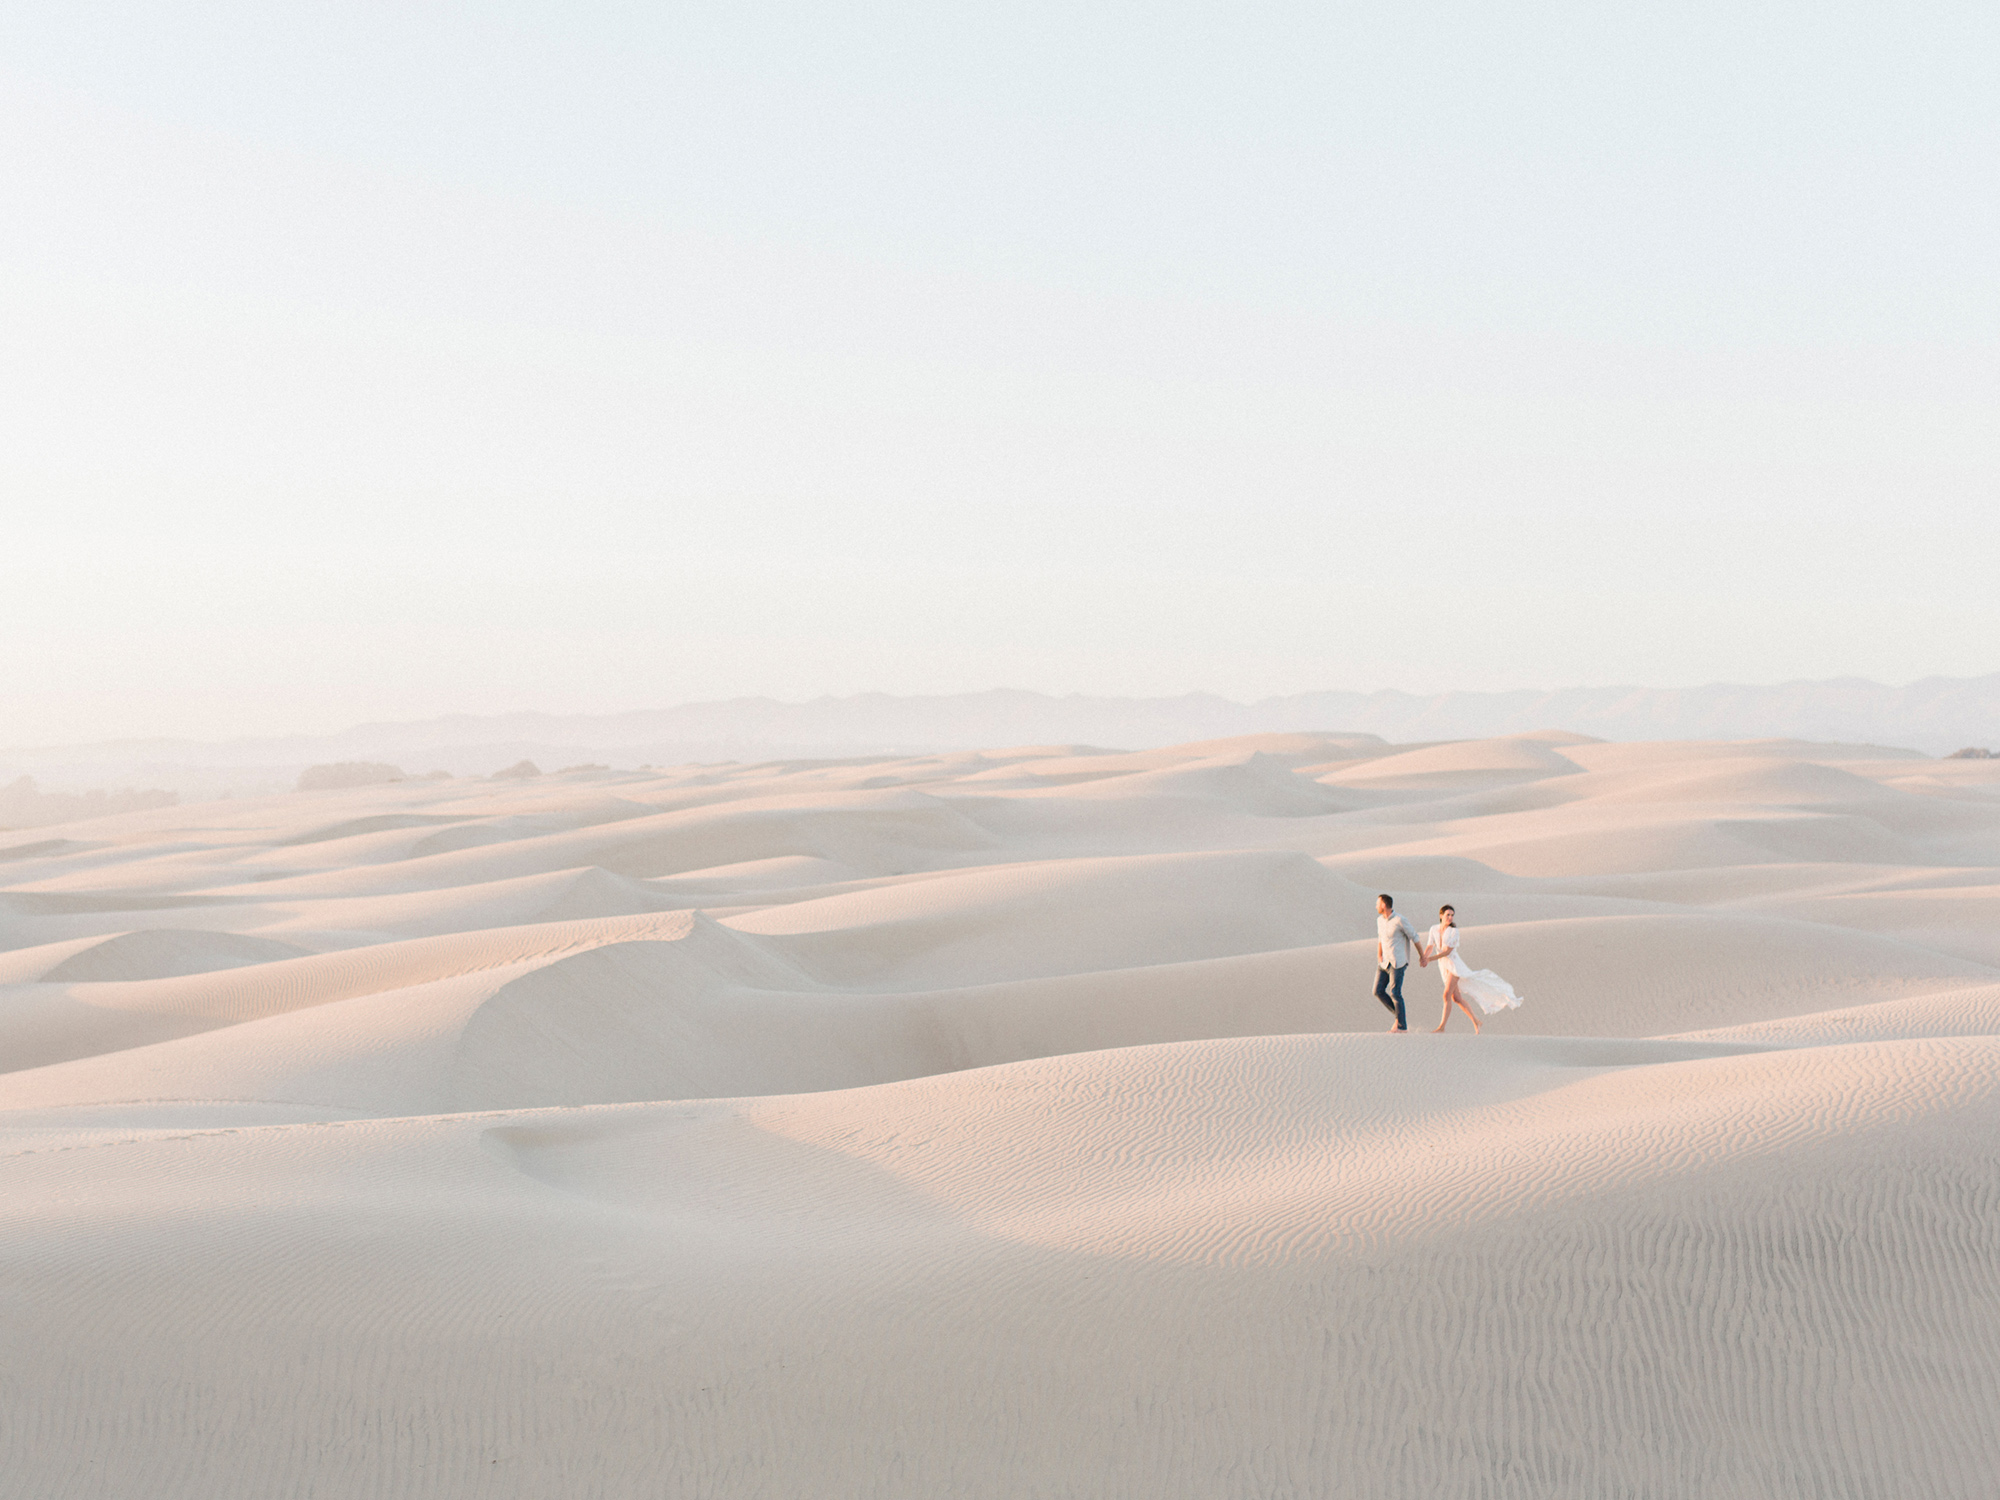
(1451, 998)
(1454, 997)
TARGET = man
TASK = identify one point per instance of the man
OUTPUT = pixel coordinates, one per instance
(1393, 939)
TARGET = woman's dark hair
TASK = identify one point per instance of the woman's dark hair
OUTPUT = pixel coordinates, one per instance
(1447, 907)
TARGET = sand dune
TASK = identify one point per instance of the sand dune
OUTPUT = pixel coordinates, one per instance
(1014, 1122)
(158, 953)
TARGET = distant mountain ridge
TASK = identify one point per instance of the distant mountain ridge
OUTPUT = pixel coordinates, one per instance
(1936, 715)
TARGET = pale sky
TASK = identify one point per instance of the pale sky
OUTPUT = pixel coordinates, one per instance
(374, 361)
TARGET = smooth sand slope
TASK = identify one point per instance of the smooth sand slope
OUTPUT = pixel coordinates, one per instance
(1014, 1123)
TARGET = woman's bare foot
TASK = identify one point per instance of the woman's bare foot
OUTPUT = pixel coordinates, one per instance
(1476, 1027)
(1437, 1028)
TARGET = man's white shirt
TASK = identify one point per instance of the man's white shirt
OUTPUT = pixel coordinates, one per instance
(1393, 937)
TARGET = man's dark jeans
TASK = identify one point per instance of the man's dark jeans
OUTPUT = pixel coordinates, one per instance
(1383, 984)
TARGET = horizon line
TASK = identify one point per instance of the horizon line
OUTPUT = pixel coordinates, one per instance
(992, 692)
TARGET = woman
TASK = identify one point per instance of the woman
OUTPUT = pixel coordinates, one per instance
(1489, 989)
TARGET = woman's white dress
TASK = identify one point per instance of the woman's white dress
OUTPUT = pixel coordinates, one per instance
(1483, 987)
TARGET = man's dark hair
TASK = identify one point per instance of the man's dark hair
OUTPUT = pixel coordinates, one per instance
(1387, 900)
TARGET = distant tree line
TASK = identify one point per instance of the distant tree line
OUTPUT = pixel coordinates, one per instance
(25, 805)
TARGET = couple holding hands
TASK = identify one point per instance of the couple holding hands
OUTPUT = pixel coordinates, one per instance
(1393, 940)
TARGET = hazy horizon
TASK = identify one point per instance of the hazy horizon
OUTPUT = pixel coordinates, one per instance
(370, 363)
(328, 730)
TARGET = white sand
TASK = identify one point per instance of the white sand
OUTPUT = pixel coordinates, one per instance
(1013, 1124)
